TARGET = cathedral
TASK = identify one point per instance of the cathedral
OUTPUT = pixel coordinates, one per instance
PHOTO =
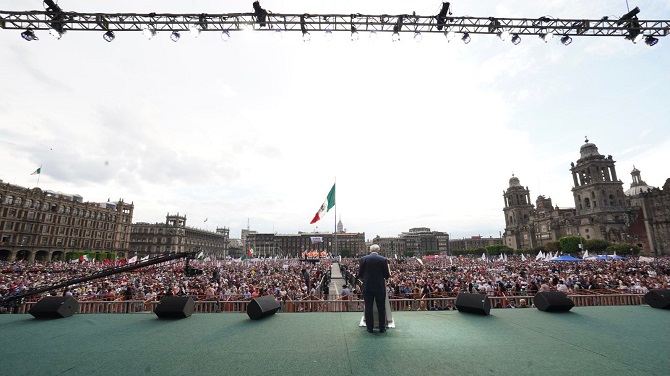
(640, 215)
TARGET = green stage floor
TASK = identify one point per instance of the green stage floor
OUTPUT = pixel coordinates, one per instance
(625, 340)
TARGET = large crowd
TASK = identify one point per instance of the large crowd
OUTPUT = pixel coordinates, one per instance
(295, 279)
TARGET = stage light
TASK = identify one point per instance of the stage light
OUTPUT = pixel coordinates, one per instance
(354, 33)
(632, 15)
(56, 34)
(195, 30)
(225, 35)
(303, 27)
(450, 35)
(546, 35)
(261, 14)
(466, 38)
(503, 35)
(516, 39)
(566, 40)
(29, 35)
(650, 41)
(108, 36)
(442, 16)
(417, 36)
(149, 31)
(395, 37)
(175, 36)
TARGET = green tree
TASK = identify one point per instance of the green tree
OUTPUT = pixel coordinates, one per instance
(431, 252)
(552, 247)
(596, 246)
(570, 244)
(497, 249)
(624, 249)
(409, 253)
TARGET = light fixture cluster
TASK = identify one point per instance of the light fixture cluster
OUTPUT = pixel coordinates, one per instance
(59, 22)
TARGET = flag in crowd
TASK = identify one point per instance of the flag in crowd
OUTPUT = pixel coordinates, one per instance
(132, 259)
(326, 206)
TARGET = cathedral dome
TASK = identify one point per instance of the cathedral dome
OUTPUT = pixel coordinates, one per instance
(514, 182)
(588, 150)
(638, 185)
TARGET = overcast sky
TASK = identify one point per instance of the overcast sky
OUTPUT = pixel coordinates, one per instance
(257, 129)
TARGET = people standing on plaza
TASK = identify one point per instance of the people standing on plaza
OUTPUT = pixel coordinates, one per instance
(373, 271)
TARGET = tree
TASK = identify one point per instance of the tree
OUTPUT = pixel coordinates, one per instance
(624, 249)
(497, 249)
(570, 244)
(552, 247)
(345, 252)
(596, 246)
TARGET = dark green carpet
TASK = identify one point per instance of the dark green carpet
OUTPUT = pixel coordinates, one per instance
(626, 340)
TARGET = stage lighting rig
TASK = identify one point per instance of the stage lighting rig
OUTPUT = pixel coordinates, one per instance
(396, 29)
(303, 27)
(58, 19)
(29, 35)
(108, 36)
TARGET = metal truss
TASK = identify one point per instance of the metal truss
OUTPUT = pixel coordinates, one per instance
(73, 21)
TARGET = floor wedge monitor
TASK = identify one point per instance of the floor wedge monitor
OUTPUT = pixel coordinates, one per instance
(473, 303)
(263, 306)
(553, 302)
(658, 298)
(55, 307)
(175, 307)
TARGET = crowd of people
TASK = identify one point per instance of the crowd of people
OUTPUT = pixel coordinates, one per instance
(296, 279)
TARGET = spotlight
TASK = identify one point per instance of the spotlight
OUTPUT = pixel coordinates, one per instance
(56, 34)
(546, 36)
(503, 35)
(566, 40)
(450, 35)
(417, 37)
(195, 30)
(29, 35)
(261, 14)
(149, 31)
(354, 33)
(442, 16)
(108, 36)
(516, 39)
(225, 35)
(650, 41)
(466, 38)
(175, 36)
(303, 27)
(395, 37)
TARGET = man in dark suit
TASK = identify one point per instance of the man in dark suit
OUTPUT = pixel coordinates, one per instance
(372, 271)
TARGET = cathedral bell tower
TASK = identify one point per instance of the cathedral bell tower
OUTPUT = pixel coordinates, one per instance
(600, 204)
(519, 232)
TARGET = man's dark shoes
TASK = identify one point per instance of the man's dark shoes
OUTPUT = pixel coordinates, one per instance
(382, 330)
(370, 331)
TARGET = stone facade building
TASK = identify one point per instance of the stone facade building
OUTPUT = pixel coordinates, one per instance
(174, 236)
(44, 225)
(473, 242)
(292, 245)
(602, 210)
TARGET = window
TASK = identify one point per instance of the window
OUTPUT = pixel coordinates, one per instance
(6, 238)
(9, 200)
(9, 225)
(17, 201)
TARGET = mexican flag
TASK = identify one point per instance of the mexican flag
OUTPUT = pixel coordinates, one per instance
(326, 206)
(82, 257)
(37, 172)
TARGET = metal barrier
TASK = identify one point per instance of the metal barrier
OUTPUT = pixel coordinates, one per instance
(340, 304)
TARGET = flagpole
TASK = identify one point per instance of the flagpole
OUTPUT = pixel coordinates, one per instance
(38, 177)
(335, 216)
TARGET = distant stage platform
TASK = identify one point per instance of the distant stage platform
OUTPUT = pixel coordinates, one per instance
(621, 340)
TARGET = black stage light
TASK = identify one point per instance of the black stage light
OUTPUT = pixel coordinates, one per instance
(516, 39)
(566, 40)
(175, 36)
(108, 36)
(29, 35)
(650, 41)
(466, 38)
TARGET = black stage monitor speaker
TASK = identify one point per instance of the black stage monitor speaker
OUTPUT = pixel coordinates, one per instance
(473, 303)
(553, 302)
(175, 307)
(658, 298)
(264, 306)
(55, 307)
